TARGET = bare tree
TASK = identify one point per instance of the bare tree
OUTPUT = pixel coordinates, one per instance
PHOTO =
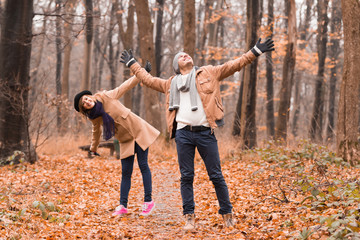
(189, 27)
(38, 57)
(159, 27)
(69, 11)
(316, 126)
(247, 103)
(15, 53)
(270, 119)
(205, 30)
(348, 112)
(288, 72)
(147, 52)
(304, 32)
(334, 52)
(85, 82)
(127, 40)
(58, 60)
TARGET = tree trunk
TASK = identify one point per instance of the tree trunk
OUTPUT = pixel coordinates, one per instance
(15, 53)
(189, 28)
(214, 27)
(58, 62)
(335, 50)
(127, 40)
(96, 50)
(34, 75)
(147, 52)
(111, 47)
(158, 44)
(270, 119)
(248, 106)
(69, 10)
(85, 82)
(303, 32)
(288, 73)
(236, 131)
(205, 30)
(316, 126)
(348, 112)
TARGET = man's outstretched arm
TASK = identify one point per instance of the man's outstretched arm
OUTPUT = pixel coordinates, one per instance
(147, 79)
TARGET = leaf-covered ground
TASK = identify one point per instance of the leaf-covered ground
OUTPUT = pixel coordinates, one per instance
(277, 193)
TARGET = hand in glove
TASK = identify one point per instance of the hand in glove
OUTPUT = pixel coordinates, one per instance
(127, 58)
(260, 48)
(148, 66)
(92, 154)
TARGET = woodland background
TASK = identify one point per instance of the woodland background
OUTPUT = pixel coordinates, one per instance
(289, 146)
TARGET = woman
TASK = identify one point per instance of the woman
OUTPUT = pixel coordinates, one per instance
(134, 134)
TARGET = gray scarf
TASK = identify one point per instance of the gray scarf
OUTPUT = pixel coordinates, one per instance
(178, 85)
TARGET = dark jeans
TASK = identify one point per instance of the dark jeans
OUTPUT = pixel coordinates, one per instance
(206, 143)
(127, 169)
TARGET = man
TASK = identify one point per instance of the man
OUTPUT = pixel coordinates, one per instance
(194, 110)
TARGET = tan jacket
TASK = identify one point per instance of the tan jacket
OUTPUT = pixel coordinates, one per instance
(128, 126)
(207, 83)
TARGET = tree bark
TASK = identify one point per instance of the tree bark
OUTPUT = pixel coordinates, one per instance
(270, 119)
(34, 75)
(288, 73)
(189, 28)
(159, 27)
(111, 46)
(303, 32)
(95, 78)
(214, 27)
(147, 52)
(127, 40)
(348, 112)
(58, 62)
(69, 10)
(205, 30)
(316, 126)
(85, 82)
(248, 105)
(334, 52)
(15, 53)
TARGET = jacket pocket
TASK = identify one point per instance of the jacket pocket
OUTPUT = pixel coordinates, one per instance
(219, 104)
(206, 85)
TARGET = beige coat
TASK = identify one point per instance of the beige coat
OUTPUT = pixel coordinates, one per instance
(207, 83)
(129, 128)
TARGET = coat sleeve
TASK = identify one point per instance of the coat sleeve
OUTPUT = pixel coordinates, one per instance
(123, 88)
(147, 79)
(96, 133)
(230, 67)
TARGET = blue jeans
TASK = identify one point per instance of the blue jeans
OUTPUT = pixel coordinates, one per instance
(127, 169)
(206, 143)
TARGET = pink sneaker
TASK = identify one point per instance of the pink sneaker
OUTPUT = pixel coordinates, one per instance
(120, 210)
(147, 208)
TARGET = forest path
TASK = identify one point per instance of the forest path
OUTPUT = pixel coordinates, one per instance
(85, 193)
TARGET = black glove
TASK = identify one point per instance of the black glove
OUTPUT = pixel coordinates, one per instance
(92, 154)
(260, 48)
(127, 58)
(148, 66)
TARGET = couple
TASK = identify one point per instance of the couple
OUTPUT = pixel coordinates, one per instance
(194, 110)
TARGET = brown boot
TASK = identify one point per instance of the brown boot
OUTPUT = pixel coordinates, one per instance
(229, 220)
(190, 222)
